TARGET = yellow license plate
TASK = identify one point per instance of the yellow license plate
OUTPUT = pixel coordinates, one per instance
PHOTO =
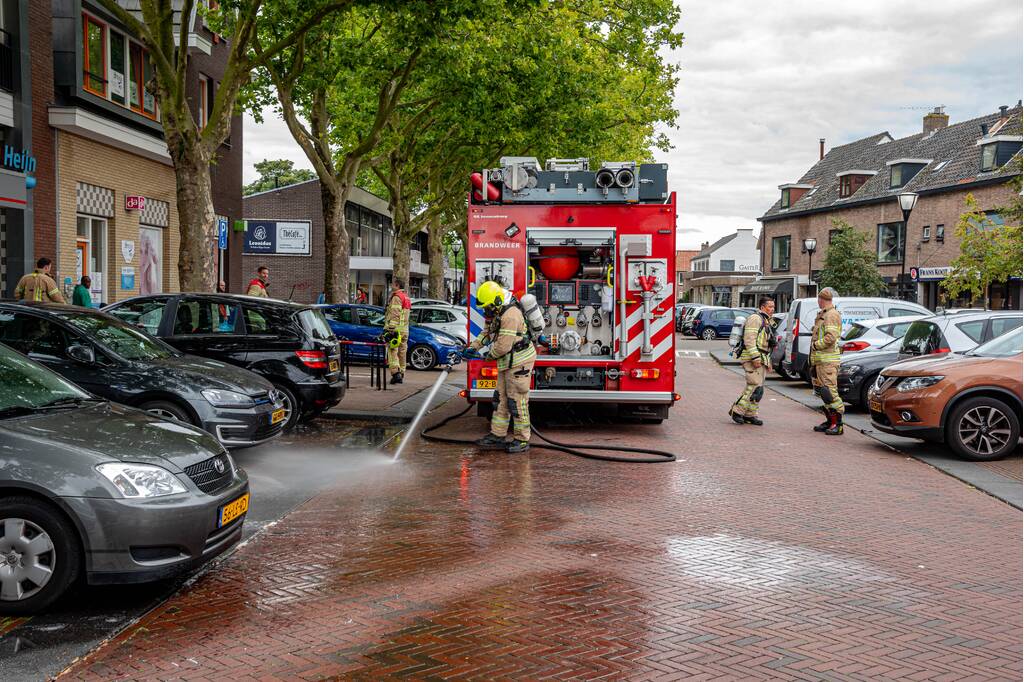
(875, 405)
(277, 416)
(232, 510)
(332, 366)
(485, 383)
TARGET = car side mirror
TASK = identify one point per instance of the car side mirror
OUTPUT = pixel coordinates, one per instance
(82, 354)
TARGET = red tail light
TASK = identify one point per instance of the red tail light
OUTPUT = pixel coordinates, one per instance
(796, 339)
(488, 371)
(942, 350)
(646, 373)
(314, 359)
(854, 346)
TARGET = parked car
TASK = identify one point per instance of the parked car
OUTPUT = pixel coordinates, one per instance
(971, 402)
(713, 322)
(119, 362)
(858, 371)
(288, 344)
(686, 326)
(97, 489)
(957, 332)
(778, 358)
(682, 310)
(868, 335)
(416, 302)
(448, 319)
(802, 312)
(364, 323)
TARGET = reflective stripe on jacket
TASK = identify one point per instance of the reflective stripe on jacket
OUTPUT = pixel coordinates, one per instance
(511, 330)
(825, 337)
(396, 317)
(38, 286)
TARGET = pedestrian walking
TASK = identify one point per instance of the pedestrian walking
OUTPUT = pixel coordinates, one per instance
(258, 285)
(396, 329)
(825, 362)
(81, 296)
(758, 338)
(38, 285)
(510, 345)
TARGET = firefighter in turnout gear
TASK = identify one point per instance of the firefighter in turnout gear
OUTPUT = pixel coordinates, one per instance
(511, 346)
(396, 330)
(38, 285)
(825, 362)
(758, 337)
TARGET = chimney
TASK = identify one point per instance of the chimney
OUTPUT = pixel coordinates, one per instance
(935, 121)
(1002, 111)
(821, 148)
(705, 245)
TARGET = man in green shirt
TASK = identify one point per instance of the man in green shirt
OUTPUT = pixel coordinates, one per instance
(80, 296)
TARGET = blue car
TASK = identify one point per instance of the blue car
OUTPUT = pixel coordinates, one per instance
(427, 347)
(714, 322)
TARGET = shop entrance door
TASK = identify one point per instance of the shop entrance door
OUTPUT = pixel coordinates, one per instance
(91, 254)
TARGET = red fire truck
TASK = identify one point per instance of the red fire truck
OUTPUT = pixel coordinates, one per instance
(596, 247)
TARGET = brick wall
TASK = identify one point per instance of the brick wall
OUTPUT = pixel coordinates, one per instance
(305, 273)
(931, 210)
(82, 160)
(44, 195)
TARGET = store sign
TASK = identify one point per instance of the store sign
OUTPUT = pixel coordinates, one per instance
(19, 159)
(930, 274)
(134, 203)
(278, 237)
(127, 278)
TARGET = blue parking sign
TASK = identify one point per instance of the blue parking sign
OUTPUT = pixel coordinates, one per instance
(222, 234)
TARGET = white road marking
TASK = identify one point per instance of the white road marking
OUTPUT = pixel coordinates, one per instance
(692, 354)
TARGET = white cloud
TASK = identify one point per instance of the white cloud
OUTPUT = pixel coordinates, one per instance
(761, 82)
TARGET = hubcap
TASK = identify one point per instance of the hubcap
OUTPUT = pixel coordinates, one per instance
(27, 559)
(708, 335)
(422, 358)
(984, 430)
(162, 413)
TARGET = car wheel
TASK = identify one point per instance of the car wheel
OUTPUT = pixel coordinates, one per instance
(292, 406)
(865, 386)
(708, 334)
(422, 357)
(983, 429)
(168, 410)
(39, 555)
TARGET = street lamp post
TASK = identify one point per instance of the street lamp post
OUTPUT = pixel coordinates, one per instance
(810, 244)
(456, 248)
(907, 202)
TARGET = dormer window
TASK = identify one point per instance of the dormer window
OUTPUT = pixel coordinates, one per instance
(852, 180)
(902, 171)
(997, 150)
(793, 192)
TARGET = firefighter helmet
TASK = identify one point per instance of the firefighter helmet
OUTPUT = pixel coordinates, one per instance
(491, 295)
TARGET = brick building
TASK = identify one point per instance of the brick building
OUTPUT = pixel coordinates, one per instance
(27, 195)
(859, 182)
(114, 191)
(720, 270)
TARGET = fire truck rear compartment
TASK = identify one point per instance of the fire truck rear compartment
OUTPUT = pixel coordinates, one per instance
(571, 283)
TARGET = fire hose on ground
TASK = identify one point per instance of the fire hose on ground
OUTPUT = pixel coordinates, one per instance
(575, 449)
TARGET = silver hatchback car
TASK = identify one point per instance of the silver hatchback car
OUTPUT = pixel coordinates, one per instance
(89, 487)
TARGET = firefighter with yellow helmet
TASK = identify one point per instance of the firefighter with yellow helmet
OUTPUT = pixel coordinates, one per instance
(825, 362)
(508, 339)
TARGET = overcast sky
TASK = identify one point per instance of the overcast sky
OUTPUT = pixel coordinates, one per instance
(762, 82)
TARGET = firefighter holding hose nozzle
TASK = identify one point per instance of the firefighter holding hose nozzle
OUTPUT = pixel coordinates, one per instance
(510, 344)
(396, 329)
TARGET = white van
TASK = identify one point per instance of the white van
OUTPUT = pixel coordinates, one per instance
(851, 308)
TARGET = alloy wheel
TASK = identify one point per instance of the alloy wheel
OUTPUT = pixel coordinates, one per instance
(421, 357)
(708, 334)
(162, 413)
(27, 559)
(984, 430)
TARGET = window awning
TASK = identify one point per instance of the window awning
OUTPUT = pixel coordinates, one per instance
(769, 286)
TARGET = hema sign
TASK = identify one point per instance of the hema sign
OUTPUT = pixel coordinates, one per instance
(278, 237)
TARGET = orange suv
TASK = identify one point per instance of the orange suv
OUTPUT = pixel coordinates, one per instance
(972, 402)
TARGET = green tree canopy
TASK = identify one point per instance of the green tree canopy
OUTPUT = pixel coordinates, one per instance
(989, 253)
(276, 173)
(850, 266)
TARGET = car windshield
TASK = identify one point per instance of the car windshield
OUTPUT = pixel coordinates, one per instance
(29, 385)
(119, 337)
(1007, 345)
(315, 324)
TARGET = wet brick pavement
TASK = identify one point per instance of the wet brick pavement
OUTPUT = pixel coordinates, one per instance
(765, 553)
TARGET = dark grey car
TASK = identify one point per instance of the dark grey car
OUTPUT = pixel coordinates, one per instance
(116, 360)
(95, 488)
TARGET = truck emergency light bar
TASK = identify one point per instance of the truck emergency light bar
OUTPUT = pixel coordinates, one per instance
(520, 180)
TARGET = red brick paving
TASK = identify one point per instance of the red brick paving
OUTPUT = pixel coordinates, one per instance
(767, 553)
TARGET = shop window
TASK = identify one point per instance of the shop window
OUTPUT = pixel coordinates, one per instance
(780, 253)
(890, 243)
(94, 59)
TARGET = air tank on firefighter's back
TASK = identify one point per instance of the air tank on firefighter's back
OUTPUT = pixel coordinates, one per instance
(533, 314)
(559, 262)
